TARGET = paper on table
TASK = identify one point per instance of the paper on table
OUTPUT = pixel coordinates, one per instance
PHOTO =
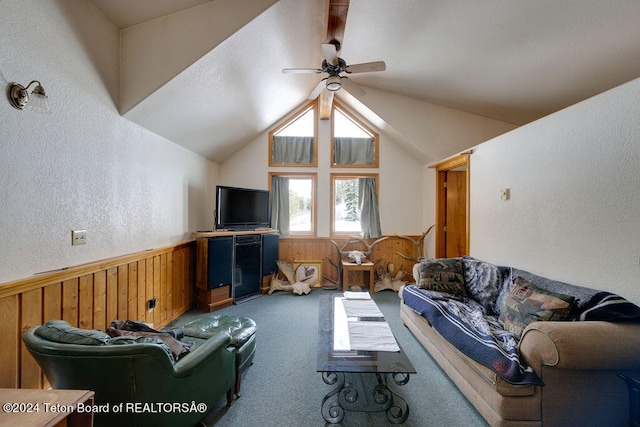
(357, 295)
(361, 308)
(372, 336)
(340, 328)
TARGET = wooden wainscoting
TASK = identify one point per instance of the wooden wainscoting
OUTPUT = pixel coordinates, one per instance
(91, 296)
(322, 249)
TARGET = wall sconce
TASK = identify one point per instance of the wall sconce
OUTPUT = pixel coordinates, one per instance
(20, 99)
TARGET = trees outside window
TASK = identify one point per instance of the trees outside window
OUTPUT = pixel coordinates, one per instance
(345, 203)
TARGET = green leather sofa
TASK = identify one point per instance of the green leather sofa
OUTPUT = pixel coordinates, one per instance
(136, 380)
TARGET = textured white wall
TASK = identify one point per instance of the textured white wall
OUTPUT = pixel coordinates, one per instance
(574, 212)
(172, 48)
(437, 131)
(83, 166)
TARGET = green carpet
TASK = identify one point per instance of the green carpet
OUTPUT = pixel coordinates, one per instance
(282, 388)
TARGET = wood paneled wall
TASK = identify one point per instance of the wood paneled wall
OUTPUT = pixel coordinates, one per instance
(91, 296)
(322, 249)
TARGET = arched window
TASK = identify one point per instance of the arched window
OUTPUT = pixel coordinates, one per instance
(353, 143)
(294, 142)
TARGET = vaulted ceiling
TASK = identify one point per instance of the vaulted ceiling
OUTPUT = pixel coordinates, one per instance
(206, 74)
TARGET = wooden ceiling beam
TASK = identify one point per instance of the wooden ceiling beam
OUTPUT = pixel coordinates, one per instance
(336, 14)
(326, 102)
(335, 19)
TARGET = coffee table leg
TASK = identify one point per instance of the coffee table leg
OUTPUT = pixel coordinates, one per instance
(331, 410)
(353, 396)
(399, 410)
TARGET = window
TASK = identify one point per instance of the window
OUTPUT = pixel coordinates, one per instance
(354, 205)
(294, 195)
(293, 203)
(353, 144)
(294, 142)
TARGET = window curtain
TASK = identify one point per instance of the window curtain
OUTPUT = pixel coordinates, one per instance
(280, 205)
(369, 212)
(292, 149)
(354, 151)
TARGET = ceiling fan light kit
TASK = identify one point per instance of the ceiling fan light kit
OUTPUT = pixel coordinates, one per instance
(333, 83)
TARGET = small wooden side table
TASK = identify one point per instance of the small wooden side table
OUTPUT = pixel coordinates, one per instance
(54, 407)
(348, 266)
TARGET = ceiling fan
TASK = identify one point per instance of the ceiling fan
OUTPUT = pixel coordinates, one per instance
(334, 66)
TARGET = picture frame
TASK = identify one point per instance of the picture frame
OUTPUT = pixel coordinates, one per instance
(309, 272)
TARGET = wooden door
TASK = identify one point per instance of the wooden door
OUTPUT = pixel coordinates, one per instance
(455, 233)
(452, 206)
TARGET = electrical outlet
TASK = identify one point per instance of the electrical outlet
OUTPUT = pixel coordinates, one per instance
(151, 304)
(78, 237)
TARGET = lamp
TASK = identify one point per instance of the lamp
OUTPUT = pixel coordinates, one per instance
(333, 83)
(20, 99)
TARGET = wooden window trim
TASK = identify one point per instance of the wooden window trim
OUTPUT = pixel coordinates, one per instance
(333, 178)
(314, 200)
(313, 105)
(364, 127)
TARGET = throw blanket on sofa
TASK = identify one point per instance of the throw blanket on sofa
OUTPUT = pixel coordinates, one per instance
(467, 326)
(119, 328)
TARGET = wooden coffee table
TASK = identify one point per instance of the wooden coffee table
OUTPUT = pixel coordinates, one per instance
(363, 381)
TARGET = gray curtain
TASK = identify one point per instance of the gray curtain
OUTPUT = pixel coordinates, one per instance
(292, 149)
(280, 205)
(369, 212)
(354, 151)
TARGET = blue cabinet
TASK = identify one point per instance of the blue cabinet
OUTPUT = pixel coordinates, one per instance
(230, 266)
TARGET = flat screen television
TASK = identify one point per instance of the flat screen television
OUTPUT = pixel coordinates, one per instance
(242, 208)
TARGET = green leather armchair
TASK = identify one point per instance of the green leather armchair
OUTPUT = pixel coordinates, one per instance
(135, 379)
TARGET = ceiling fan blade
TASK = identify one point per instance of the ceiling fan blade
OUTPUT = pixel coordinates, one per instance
(316, 90)
(301, 71)
(366, 67)
(351, 87)
(330, 53)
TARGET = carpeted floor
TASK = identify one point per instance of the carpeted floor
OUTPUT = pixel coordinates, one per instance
(282, 388)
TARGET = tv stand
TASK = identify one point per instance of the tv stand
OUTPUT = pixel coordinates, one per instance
(225, 232)
(231, 265)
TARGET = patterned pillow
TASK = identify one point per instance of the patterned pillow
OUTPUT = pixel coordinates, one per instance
(443, 275)
(527, 303)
